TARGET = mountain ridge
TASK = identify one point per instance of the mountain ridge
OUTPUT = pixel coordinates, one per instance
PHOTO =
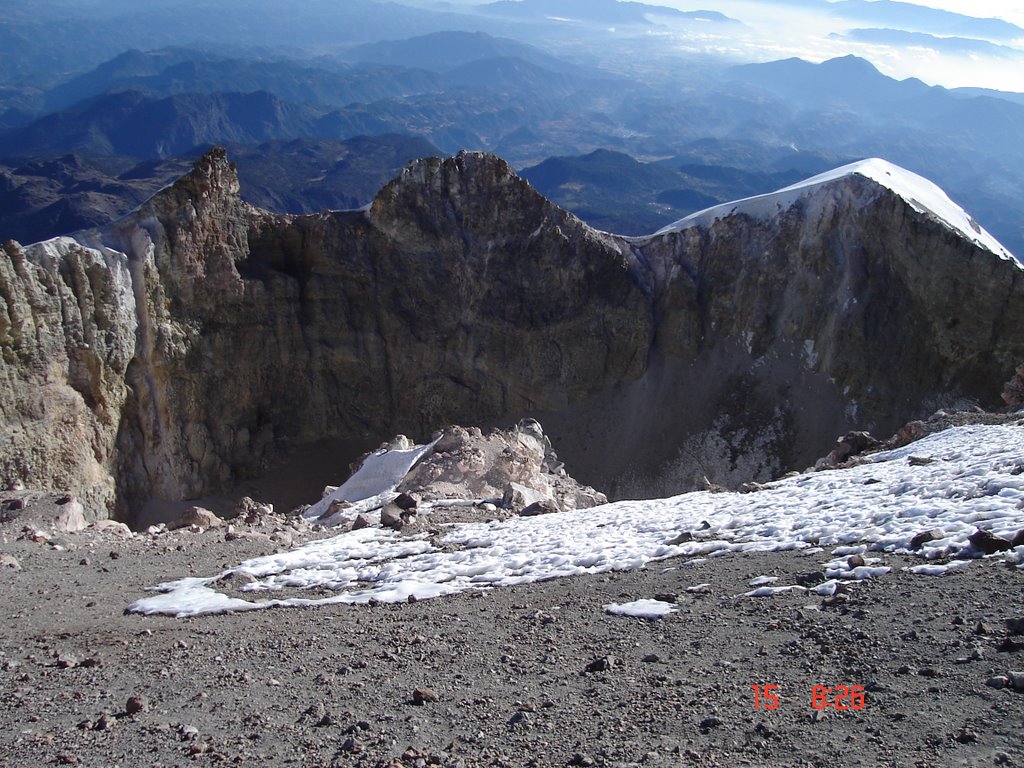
(732, 352)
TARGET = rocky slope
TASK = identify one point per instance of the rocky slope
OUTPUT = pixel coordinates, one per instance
(199, 339)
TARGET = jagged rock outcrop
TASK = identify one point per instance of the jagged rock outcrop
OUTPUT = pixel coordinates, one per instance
(199, 339)
(517, 466)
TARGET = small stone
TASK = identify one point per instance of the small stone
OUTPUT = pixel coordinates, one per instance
(188, 733)
(967, 736)
(988, 543)
(1016, 680)
(920, 461)
(1015, 626)
(360, 522)
(855, 561)
(197, 516)
(67, 759)
(352, 746)
(666, 597)
(542, 507)
(680, 538)
(602, 664)
(710, 722)
(983, 628)
(920, 539)
(134, 705)
(422, 696)
(106, 722)
(406, 501)
(581, 761)
(199, 748)
(66, 661)
(327, 719)
(1009, 645)
(651, 658)
(391, 517)
(999, 681)
(113, 528)
(929, 672)
(10, 562)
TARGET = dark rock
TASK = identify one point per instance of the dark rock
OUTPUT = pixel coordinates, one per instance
(360, 522)
(855, 561)
(422, 696)
(134, 705)
(986, 542)
(405, 501)
(680, 538)
(710, 722)
(1009, 645)
(920, 461)
(602, 664)
(542, 507)
(391, 517)
(920, 539)
(1015, 626)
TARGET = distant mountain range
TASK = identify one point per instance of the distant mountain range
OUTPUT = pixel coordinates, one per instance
(612, 136)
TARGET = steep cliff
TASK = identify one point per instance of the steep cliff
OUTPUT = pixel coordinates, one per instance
(198, 340)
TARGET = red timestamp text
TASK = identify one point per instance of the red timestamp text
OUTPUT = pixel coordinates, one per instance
(841, 698)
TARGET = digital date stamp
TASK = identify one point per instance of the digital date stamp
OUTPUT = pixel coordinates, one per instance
(840, 698)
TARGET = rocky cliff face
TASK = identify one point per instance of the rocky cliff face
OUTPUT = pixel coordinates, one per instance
(199, 339)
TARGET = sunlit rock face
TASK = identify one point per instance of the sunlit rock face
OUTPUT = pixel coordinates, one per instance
(199, 339)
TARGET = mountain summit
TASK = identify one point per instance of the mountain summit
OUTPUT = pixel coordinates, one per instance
(200, 339)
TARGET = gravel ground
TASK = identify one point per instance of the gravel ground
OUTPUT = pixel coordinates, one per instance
(525, 676)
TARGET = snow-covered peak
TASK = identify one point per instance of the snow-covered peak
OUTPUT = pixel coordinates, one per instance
(919, 192)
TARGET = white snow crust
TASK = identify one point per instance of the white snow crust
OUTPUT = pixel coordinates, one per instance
(641, 609)
(975, 482)
(371, 486)
(922, 195)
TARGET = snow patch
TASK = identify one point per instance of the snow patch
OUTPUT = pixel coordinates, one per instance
(971, 485)
(641, 609)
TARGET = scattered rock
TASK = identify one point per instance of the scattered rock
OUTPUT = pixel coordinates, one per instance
(710, 722)
(855, 561)
(986, 542)
(252, 511)
(920, 539)
(197, 516)
(406, 501)
(134, 705)
(422, 696)
(920, 461)
(967, 736)
(680, 538)
(542, 507)
(1016, 680)
(113, 528)
(9, 562)
(602, 664)
(391, 517)
(360, 522)
(1015, 626)
(998, 681)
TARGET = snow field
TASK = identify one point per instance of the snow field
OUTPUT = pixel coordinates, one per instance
(976, 480)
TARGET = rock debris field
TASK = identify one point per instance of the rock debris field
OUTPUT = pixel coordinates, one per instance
(892, 628)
